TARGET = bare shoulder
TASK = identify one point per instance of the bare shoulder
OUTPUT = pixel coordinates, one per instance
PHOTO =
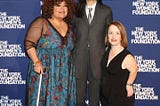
(129, 59)
(130, 63)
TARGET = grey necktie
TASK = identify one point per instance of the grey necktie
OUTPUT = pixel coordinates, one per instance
(89, 15)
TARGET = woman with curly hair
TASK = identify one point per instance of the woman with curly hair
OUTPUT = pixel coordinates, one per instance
(49, 43)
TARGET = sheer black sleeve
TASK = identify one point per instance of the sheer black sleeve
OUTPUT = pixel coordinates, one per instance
(33, 33)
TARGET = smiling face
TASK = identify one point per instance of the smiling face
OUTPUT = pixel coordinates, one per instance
(60, 10)
(114, 36)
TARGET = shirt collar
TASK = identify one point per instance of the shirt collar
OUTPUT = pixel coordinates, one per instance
(93, 6)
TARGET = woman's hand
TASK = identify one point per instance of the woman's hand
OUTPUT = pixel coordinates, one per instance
(38, 68)
(130, 90)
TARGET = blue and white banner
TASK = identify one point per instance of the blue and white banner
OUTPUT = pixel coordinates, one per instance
(15, 17)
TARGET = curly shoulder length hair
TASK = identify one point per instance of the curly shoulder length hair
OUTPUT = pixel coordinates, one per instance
(47, 8)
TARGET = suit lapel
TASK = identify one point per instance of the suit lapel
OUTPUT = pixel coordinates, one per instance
(84, 17)
(95, 17)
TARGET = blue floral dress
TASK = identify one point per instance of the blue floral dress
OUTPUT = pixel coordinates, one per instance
(58, 81)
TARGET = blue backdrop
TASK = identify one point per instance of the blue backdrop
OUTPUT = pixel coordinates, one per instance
(140, 17)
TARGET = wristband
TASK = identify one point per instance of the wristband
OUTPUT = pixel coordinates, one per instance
(129, 84)
(37, 62)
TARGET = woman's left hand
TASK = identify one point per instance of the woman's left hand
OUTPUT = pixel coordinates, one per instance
(130, 90)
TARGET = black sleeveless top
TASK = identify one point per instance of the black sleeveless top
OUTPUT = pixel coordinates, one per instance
(114, 79)
(115, 64)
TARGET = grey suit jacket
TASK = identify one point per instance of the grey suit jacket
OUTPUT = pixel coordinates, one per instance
(92, 35)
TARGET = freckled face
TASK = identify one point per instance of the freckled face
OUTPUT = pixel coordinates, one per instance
(114, 35)
(60, 10)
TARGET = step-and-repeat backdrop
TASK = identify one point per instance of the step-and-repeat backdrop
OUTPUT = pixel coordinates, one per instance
(140, 17)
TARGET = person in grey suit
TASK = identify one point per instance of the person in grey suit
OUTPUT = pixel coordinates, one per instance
(89, 48)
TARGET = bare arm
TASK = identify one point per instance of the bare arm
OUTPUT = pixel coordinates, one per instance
(130, 64)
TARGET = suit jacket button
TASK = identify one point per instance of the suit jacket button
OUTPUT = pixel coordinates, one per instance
(88, 45)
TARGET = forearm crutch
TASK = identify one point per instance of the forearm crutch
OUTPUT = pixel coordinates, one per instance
(39, 89)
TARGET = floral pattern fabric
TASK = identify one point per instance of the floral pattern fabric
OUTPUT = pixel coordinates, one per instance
(58, 81)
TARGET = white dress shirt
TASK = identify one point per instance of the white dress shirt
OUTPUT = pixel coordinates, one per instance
(93, 9)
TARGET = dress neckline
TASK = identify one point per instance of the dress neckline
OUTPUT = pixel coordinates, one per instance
(108, 64)
(64, 39)
(66, 35)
